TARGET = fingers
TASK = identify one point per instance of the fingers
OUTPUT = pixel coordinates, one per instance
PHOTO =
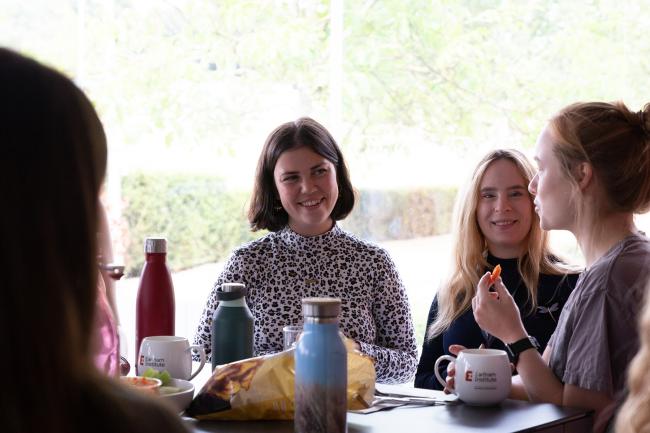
(455, 349)
(450, 383)
(483, 287)
(500, 288)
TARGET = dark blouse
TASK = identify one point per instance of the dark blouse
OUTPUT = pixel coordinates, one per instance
(552, 293)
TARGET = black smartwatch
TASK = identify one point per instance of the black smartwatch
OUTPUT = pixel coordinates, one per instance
(519, 346)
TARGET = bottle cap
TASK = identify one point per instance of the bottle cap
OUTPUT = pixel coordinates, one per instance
(231, 291)
(321, 307)
(155, 245)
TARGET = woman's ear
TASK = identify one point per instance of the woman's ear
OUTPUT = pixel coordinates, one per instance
(583, 173)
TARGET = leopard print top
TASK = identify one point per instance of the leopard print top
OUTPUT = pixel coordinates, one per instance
(283, 267)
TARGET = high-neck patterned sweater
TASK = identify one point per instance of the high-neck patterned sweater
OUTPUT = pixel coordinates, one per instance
(283, 267)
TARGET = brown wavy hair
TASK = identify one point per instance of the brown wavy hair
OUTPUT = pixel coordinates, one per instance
(265, 211)
(53, 163)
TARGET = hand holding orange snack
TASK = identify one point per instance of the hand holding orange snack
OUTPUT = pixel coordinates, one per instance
(495, 274)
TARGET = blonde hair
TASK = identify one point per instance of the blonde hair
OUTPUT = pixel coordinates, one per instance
(634, 416)
(470, 247)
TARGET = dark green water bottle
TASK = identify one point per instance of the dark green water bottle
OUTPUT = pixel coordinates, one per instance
(232, 326)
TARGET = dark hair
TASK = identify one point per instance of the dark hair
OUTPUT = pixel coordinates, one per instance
(52, 165)
(616, 142)
(264, 211)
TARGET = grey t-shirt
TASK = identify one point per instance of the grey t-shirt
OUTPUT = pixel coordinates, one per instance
(597, 333)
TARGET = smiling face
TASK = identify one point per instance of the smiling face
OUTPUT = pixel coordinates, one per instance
(306, 184)
(555, 201)
(505, 211)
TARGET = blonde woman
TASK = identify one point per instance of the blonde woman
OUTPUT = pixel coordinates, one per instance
(634, 416)
(495, 224)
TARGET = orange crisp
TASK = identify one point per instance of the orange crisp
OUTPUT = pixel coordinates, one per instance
(495, 274)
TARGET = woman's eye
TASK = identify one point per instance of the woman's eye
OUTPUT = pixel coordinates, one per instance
(289, 179)
(487, 196)
(320, 171)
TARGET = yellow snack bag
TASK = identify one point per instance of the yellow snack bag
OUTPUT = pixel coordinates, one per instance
(263, 388)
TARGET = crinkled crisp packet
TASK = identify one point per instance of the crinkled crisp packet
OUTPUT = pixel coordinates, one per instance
(263, 388)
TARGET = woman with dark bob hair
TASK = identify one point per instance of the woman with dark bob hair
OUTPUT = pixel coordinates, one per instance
(52, 166)
(301, 189)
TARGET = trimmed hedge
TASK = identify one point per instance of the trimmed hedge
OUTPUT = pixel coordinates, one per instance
(381, 215)
(200, 218)
(203, 221)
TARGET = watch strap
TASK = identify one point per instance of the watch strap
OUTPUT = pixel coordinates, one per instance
(514, 349)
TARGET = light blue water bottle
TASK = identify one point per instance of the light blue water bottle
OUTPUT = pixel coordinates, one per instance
(321, 370)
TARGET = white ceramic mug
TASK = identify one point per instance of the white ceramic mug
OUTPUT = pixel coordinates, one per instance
(170, 353)
(483, 376)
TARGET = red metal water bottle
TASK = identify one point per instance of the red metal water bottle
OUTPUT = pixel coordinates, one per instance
(155, 307)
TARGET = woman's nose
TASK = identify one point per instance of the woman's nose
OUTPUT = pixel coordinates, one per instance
(503, 204)
(307, 185)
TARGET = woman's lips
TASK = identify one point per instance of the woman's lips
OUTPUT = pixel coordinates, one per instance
(504, 223)
(311, 203)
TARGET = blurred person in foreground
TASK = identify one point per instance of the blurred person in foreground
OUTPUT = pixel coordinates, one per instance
(53, 164)
(302, 188)
(495, 224)
(593, 175)
(634, 416)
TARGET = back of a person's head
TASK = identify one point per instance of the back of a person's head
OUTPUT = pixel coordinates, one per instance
(634, 416)
(616, 141)
(52, 165)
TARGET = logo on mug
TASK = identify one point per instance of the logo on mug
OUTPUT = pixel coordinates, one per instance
(141, 359)
(468, 376)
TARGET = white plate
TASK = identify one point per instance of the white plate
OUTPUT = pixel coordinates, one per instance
(180, 400)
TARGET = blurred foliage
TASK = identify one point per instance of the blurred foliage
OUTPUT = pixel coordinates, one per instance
(200, 219)
(401, 214)
(196, 85)
(203, 222)
(466, 74)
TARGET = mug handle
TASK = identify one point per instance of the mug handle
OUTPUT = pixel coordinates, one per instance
(201, 351)
(435, 368)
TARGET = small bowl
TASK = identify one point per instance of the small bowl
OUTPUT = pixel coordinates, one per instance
(181, 399)
(146, 384)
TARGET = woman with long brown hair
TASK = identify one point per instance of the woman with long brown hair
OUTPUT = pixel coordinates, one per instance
(52, 166)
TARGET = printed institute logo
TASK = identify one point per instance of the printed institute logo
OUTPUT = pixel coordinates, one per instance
(469, 376)
(141, 359)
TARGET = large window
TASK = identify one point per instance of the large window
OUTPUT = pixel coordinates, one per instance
(414, 91)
